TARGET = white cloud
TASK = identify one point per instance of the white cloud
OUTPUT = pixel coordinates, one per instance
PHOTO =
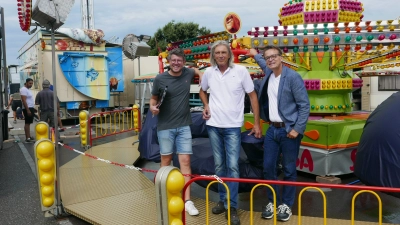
(122, 17)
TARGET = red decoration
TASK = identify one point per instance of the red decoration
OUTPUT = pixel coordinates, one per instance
(24, 14)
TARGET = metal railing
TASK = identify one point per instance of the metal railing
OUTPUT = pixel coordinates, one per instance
(114, 122)
(307, 185)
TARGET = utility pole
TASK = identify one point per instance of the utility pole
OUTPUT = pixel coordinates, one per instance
(4, 72)
(87, 14)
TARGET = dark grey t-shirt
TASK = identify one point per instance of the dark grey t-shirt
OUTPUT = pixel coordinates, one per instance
(45, 100)
(175, 109)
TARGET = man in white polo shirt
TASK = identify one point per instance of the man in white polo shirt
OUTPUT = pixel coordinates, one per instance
(224, 112)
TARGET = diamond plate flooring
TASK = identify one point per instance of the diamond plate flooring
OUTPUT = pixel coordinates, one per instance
(101, 193)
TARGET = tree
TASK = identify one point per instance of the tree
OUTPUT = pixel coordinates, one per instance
(173, 32)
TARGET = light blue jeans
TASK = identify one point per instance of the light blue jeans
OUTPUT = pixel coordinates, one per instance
(225, 143)
(276, 143)
(181, 137)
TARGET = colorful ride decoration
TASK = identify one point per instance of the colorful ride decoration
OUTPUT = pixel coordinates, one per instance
(199, 47)
(24, 14)
(326, 42)
(232, 23)
(320, 11)
(332, 59)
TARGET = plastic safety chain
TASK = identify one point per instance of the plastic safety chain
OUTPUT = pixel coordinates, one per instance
(132, 167)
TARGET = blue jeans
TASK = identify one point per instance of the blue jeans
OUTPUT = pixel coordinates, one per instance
(225, 143)
(181, 137)
(277, 143)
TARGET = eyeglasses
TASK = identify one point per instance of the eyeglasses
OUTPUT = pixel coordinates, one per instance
(177, 61)
(271, 57)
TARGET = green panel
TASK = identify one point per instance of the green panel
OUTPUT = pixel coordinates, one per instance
(330, 132)
(346, 132)
(335, 132)
(330, 98)
(250, 118)
(316, 65)
(332, 103)
(322, 128)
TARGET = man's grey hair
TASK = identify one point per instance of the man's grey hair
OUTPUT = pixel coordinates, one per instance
(226, 44)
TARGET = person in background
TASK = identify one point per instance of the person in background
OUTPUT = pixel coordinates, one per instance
(285, 105)
(174, 116)
(15, 102)
(45, 100)
(20, 114)
(228, 83)
(28, 109)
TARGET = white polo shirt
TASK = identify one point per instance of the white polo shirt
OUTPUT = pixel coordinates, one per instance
(227, 93)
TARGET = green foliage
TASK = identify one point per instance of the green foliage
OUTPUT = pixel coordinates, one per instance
(173, 32)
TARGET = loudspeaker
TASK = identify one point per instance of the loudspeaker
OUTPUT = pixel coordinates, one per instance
(140, 49)
(14, 88)
(45, 12)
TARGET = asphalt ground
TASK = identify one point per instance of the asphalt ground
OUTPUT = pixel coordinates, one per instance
(19, 194)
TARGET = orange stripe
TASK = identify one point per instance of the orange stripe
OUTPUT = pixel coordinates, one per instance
(312, 134)
(320, 56)
(248, 125)
(301, 54)
(329, 147)
(339, 54)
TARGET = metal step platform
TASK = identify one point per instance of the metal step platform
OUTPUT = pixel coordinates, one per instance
(101, 193)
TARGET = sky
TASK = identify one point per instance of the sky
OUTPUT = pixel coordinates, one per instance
(121, 17)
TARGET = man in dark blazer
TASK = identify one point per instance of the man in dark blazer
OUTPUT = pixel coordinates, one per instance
(284, 103)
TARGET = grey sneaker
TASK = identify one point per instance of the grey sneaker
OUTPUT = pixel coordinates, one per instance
(14, 121)
(268, 211)
(284, 213)
(235, 220)
(220, 208)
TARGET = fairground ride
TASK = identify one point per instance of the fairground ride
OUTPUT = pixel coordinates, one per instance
(330, 46)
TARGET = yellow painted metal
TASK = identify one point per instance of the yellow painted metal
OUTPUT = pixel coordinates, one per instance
(109, 123)
(307, 67)
(228, 201)
(333, 57)
(379, 201)
(337, 61)
(251, 201)
(324, 202)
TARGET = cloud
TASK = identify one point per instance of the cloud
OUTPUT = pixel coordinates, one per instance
(122, 17)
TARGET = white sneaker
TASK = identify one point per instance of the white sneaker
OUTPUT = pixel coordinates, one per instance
(189, 207)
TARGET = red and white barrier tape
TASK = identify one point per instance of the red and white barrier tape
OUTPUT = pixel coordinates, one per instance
(99, 159)
(131, 167)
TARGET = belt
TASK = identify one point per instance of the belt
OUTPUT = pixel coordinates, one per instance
(277, 124)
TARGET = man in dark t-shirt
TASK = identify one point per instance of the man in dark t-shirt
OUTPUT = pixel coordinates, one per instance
(45, 100)
(174, 116)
